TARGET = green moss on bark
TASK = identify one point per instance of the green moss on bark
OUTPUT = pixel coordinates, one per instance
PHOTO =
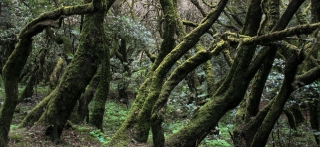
(11, 72)
(35, 113)
(56, 73)
(275, 111)
(250, 106)
(87, 96)
(100, 96)
(141, 124)
(209, 75)
(76, 77)
(157, 80)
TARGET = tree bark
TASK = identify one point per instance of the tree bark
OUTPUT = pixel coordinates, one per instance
(11, 73)
(175, 78)
(100, 97)
(57, 73)
(250, 107)
(75, 79)
(262, 134)
(87, 96)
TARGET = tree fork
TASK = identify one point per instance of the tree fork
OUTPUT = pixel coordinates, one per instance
(204, 120)
(87, 96)
(166, 46)
(175, 78)
(159, 74)
(250, 106)
(75, 79)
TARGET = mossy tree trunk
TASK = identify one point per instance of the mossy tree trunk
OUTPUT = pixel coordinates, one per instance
(62, 61)
(187, 43)
(77, 75)
(122, 55)
(277, 105)
(87, 96)
(100, 96)
(175, 78)
(276, 109)
(57, 73)
(122, 136)
(17, 59)
(11, 72)
(181, 72)
(242, 136)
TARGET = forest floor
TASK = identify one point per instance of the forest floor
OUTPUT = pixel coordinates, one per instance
(83, 135)
(74, 135)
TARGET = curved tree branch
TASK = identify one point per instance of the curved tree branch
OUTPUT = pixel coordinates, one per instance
(32, 28)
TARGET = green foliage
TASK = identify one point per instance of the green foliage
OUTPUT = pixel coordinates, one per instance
(220, 136)
(16, 135)
(302, 95)
(13, 126)
(16, 14)
(138, 39)
(282, 135)
(134, 32)
(215, 143)
(173, 126)
(115, 114)
(97, 134)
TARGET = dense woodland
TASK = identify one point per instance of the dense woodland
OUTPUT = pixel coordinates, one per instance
(180, 73)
